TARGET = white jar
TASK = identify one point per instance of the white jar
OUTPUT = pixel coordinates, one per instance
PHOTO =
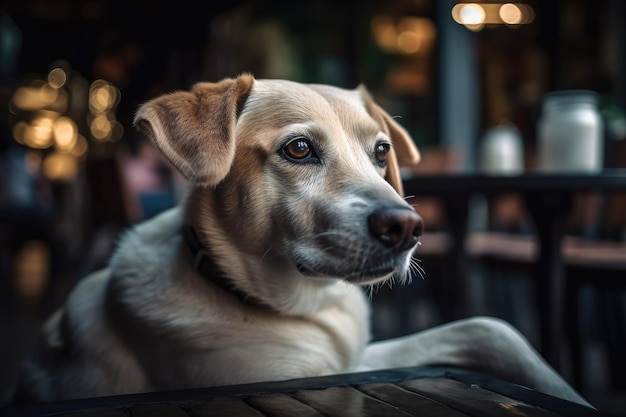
(570, 133)
(501, 151)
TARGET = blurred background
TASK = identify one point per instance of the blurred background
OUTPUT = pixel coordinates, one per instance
(74, 172)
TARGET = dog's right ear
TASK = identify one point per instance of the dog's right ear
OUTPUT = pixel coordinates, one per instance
(195, 129)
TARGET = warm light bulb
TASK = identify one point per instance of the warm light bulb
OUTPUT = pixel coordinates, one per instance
(510, 14)
(472, 14)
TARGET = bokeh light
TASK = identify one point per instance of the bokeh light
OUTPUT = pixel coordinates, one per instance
(65, 134)
(406, 35)
(472, 14)
(60, 166)
(57, 78)
(510, 14)
(100, 127)
(475, 16)
(49, 113)
(38, 133)
(102, 96)
(34, 97)
(80, 147)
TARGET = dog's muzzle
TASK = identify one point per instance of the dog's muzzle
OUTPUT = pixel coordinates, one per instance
(361, 247)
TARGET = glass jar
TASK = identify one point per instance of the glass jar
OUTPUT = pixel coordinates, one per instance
(502, 151)
(570, 133)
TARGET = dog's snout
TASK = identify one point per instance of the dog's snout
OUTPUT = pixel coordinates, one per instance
(396, 228)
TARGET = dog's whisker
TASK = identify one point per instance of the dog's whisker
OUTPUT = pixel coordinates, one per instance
(407, 277)
(326, 249)
(416, 268)
(421, 270)
(264, 255)
(329, 233)
(375, 287)
(370, 290)
(407, 197)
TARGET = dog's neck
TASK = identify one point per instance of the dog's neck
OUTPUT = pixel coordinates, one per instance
(204, 264)
(301, 301)
(253, 266)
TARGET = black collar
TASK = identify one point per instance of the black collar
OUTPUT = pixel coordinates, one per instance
(206, 266)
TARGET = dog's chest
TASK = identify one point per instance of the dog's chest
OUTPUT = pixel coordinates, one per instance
(262, 349)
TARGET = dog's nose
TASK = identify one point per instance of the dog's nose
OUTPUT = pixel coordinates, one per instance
(396, 228)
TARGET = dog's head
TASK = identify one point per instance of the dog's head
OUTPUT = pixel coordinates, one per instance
(308, 173)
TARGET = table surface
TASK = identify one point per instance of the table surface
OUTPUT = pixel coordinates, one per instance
(607, 180)
(416, 391)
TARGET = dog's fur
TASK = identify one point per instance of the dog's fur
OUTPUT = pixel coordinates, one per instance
(294, 239)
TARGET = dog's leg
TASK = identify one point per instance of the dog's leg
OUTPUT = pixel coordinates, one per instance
(482, 344)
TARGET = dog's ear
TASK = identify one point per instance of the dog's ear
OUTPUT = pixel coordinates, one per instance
(195, 129)
(404, 151)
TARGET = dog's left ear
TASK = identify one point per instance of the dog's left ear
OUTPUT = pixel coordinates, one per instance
(195, 129)
(404, 151)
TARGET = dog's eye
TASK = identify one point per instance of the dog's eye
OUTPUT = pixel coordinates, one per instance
(298, 150)
(380, 153)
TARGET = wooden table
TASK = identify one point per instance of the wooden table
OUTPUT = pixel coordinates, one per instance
(549, 199)
(417, 391)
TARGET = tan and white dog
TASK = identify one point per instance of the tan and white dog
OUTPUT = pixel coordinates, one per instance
(295, 204)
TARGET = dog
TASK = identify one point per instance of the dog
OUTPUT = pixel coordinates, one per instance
(295, 205)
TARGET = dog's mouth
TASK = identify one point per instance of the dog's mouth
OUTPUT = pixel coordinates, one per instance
(370, 271)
